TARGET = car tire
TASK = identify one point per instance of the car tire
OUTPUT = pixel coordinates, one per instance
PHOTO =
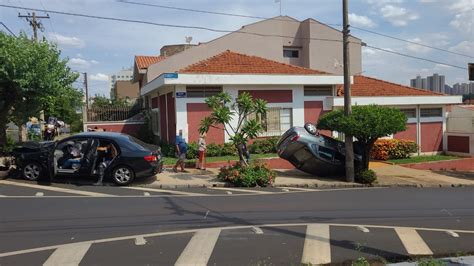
(32, 171)
(123, 175)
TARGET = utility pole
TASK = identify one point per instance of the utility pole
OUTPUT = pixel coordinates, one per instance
(86, 89)
(347, 92)
(85, 108)
(34, 23)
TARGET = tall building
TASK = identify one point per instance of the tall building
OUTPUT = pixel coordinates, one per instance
(463, 88)
(435, 83)
(124, 75)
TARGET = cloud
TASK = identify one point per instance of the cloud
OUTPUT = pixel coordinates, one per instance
(66, 41)
(398, 16)
(461, 5)
(384, 2)
(417, 48)
(464, 47)
(463, 23)
(99, 77)
(361, 21)
(94, 62)
(78, 63)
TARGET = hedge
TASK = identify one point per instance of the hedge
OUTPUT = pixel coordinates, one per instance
(387, 149)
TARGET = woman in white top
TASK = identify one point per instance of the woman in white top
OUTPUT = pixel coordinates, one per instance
(202, 152)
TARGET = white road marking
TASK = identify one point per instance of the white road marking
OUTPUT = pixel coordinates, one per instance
(207, 213)
(2, 196)
(187, 231)
(363, 229)
(39, 194)
(229, 192)
(56, 189)
(199, 249)
(452, 233)
(317, 249)
(242, 190)
(147, 194)
(412, 241)
(140, 241)
(68, 255)
(286, 189)
(165, 191)
(257, 230)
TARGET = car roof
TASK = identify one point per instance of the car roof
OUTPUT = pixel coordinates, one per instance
(104, 134)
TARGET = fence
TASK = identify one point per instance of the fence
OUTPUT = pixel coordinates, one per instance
(115, 113)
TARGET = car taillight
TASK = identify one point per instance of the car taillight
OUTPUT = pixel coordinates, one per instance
(150, 158)
(295, 138)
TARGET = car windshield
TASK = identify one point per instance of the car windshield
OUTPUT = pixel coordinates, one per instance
(141, 144)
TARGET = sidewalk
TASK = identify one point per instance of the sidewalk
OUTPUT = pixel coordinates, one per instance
(388, 175)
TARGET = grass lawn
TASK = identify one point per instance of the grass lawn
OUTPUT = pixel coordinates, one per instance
(172, 160)
(424, 158)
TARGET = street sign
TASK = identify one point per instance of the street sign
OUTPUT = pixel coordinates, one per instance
(170, 75)
(470, 67)
(181, 94)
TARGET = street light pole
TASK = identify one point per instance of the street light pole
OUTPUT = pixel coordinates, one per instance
(347, 92)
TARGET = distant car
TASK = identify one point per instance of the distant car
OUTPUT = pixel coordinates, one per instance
(125, 158)
(313, 153)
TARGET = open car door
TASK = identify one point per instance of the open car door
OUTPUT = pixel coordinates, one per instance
(89, 159)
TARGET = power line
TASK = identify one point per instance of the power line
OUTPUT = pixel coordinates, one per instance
(414, 57)
(5, 26)
(167, 25)
(224, 31)
(411, 42)
(209, 12)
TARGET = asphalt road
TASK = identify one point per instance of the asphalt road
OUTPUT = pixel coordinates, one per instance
(248, 227)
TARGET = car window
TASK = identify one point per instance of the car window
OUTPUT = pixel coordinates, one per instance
(325, 153)
(142, 145)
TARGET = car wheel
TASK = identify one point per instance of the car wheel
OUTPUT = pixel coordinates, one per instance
(122, 175)
(311, 128)
(32, 171)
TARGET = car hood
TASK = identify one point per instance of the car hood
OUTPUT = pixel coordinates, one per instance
(32, 146)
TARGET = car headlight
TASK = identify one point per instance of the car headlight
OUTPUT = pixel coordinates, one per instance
(310, 128)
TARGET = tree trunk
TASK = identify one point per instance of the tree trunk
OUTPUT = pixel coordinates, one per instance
(367, 148)
(3, 131)
(240, 151)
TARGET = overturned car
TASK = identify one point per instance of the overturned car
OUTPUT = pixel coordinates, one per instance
(313, 153)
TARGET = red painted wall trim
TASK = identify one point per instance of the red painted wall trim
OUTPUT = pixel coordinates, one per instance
(154, 102)
(313, 110)
(408, 134)
(431, 136)
(196, 112)
(272, 96)
(171, 118)
(458, 144)
(163, 116)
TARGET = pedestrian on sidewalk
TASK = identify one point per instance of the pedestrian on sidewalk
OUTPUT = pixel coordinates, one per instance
(202, 152)
(181, 149)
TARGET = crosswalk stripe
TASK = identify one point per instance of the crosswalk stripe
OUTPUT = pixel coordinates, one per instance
(412, 241)
(317, 248)
(241, 190)
(56, 189)
(199, 249)
(68, 255)
(165, 191)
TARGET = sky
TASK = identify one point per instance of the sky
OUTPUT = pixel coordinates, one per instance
(102, 48)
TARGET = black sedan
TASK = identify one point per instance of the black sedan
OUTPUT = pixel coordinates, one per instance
(118, 156)
(314, 153)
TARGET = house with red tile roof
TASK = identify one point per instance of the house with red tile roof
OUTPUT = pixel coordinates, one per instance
(295, 95)
(140, 66)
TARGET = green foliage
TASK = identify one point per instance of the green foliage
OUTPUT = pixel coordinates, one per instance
(366, 177)
(34, 77)
(8, 147)
(387, 149)
(267, 145)
(367, 124)
(192, 152)
(431, 262)
(361, 261)
(77, 125)
(102, 101)
(241, 111)
(145, 133)
(247, 176)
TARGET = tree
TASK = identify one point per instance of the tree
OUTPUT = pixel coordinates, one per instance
(367, 124)
(240, 118)
(34, 77)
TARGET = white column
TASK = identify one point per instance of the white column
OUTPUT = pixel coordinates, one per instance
(298, 106)
(234, 93)
(445, 137)
(181, 113)
(418, 128)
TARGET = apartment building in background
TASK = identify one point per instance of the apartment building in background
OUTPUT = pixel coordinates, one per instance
(434, 83)
(461, 89)
(122, 75)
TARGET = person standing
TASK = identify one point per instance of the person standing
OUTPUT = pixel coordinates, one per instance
(181, 149)
(202, 152)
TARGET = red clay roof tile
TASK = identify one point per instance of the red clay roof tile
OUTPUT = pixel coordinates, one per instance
(371, 87)
(230, 62)
(144, 61)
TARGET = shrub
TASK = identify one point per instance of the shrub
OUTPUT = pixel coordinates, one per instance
(192, 152)
(250, 176)
(366, 177)
(8, 147)
(385, 149)
(267, 145)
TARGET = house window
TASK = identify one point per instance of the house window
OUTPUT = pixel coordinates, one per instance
(275, 121)
(410, 113)
(202, 92)
(431, 112)
(318, 91)
(291, 53)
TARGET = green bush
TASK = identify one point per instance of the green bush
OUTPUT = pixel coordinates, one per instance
(266, 145)
(8, 147)
(387, 149)
(247, 176)
(192, 152)
(366, 177)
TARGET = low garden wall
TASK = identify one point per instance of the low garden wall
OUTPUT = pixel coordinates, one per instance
(465, 164)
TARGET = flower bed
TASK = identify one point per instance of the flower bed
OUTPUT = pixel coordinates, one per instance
(256, 174)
